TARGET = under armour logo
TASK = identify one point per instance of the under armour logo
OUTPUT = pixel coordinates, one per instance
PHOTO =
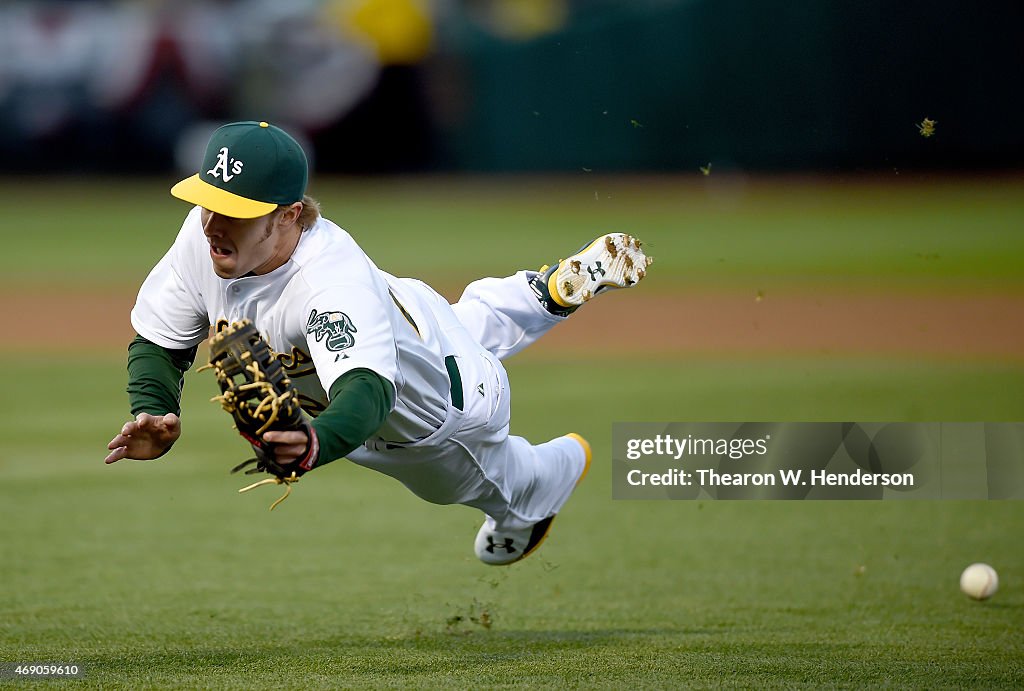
(507, 546)
(595, 272)
(220, 169)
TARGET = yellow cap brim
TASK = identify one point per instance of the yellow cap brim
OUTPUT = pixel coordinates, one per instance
(201, 193)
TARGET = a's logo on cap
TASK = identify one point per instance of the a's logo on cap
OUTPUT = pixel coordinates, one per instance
(221, 168)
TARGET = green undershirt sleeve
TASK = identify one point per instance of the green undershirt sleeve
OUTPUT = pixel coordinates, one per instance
(360, 402)
(156, 376)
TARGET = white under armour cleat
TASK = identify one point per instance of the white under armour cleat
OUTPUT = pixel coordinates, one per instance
(611, 261)
(503, 547)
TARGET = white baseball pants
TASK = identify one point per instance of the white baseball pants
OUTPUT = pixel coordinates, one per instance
(472, 459)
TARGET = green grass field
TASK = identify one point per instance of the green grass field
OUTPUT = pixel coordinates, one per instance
(719, 232)
(158, 575)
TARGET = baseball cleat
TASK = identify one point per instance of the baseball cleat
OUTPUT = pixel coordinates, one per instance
(503, 547)
(611, 261)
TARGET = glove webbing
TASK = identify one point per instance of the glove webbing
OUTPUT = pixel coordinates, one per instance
(229, 399)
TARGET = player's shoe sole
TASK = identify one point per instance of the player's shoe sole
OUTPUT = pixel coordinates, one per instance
(507, 547)
(609, 262)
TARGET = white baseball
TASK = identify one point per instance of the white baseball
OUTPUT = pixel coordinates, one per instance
(979, 581)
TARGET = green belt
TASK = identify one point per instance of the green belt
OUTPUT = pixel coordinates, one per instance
(456, 389)
(456, 379)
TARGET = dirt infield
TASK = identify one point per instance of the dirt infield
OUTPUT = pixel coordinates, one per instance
(985, 326)
(801, 323)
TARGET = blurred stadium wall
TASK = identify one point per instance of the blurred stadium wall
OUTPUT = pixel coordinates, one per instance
(518, 85)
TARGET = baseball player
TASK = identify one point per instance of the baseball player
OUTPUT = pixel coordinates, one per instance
(396, 378)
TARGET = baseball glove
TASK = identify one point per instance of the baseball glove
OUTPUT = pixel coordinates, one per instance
(260, 397)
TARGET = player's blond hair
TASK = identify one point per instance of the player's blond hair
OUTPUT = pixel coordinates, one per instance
(310, 212)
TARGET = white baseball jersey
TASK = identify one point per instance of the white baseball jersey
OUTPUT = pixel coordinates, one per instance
(326, 311)
(329, 310)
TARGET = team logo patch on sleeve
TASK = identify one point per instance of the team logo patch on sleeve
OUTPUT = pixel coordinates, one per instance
(336, 327)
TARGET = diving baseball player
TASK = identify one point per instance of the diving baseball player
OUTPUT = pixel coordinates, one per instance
(395, 378)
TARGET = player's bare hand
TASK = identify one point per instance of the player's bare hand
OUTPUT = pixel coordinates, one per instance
(289, 446)
(144, 438)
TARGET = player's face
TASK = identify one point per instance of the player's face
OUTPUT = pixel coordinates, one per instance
(242, 245)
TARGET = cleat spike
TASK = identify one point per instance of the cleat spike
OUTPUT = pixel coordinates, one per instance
(575, 266)
(609, 245)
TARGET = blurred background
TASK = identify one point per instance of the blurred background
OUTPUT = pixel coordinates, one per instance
(517, 85)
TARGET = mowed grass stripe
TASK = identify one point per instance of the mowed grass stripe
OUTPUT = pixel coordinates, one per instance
(160, 575)
(458, 229)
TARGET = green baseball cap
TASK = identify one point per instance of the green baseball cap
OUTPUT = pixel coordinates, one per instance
(250, 168)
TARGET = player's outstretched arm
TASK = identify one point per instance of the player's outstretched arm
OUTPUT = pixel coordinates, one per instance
(144, 438)
(360, 402)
